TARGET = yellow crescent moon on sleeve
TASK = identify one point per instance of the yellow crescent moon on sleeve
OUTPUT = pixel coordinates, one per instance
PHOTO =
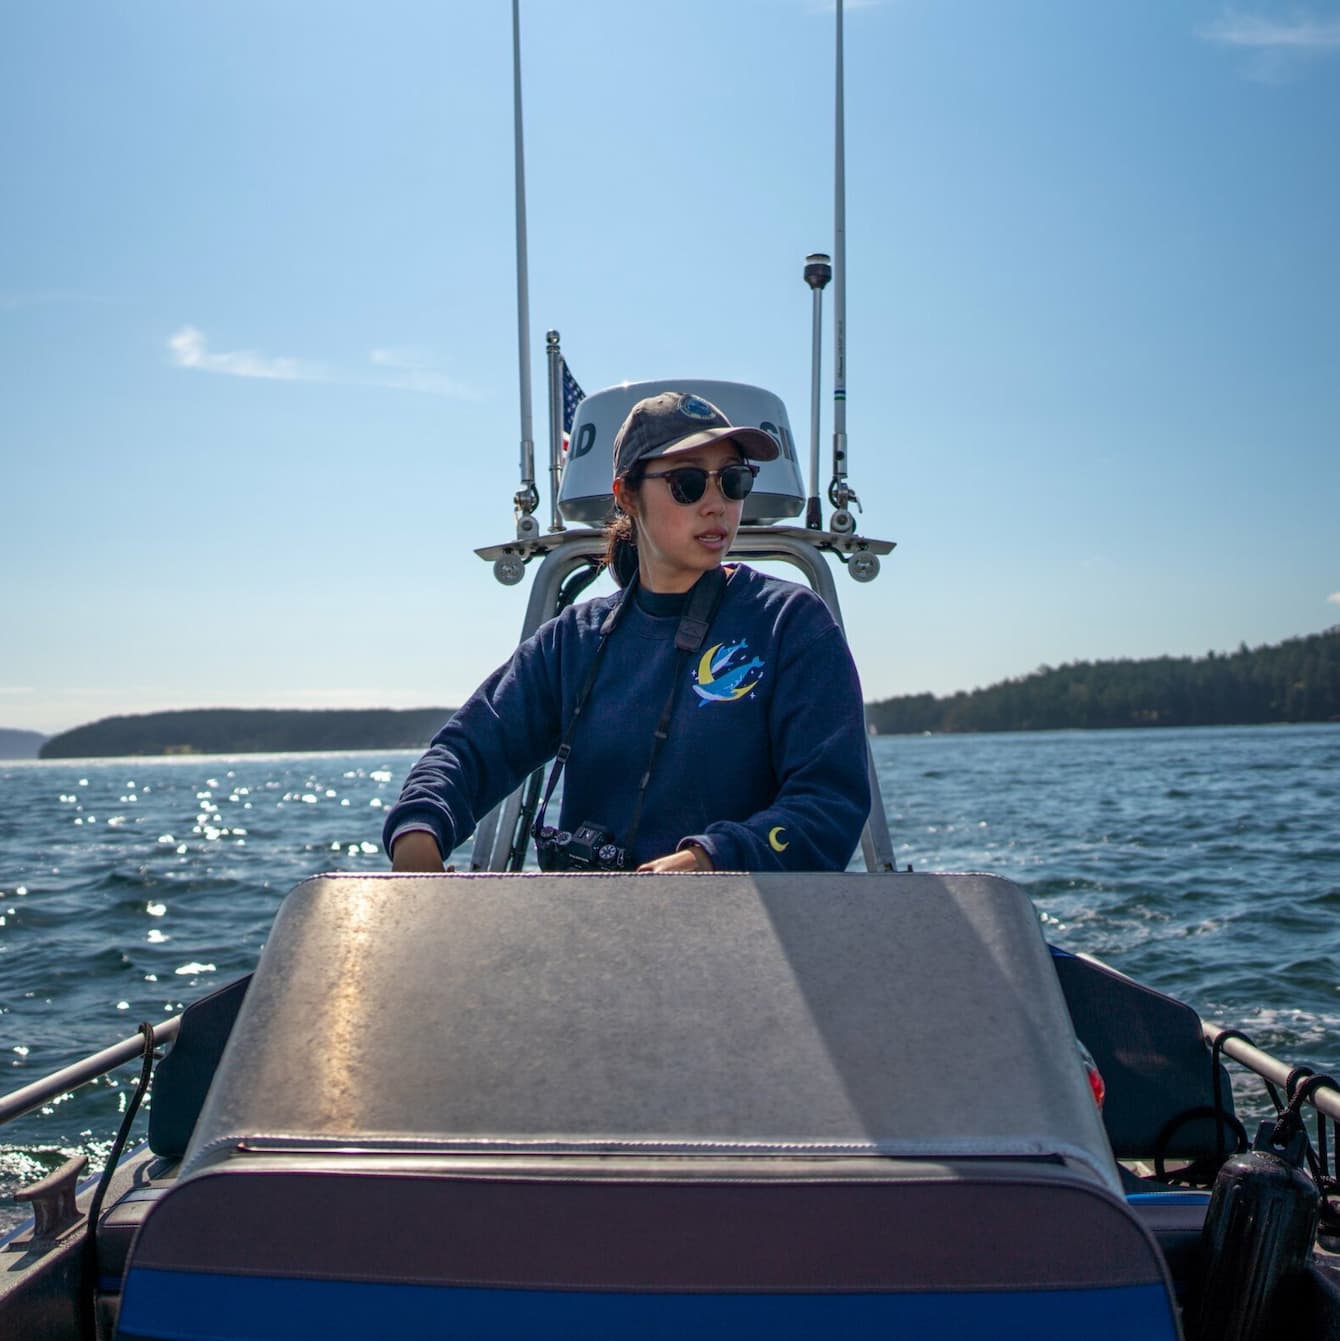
(773, 841)
(705, 665)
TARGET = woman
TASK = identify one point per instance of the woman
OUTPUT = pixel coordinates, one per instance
(733, 743)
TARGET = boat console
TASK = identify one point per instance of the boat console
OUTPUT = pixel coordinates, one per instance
(587, 1105)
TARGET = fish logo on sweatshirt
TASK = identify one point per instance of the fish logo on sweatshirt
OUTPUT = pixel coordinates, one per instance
(726, 673)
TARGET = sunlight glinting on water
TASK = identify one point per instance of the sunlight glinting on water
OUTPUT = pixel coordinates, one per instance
(1203, 863)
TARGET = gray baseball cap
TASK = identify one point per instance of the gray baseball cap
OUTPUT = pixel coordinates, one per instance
(678, 421)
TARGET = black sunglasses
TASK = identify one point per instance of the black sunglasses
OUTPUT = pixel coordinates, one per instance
(689, 483)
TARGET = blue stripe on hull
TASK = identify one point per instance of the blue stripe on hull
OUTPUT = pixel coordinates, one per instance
(186, 1306)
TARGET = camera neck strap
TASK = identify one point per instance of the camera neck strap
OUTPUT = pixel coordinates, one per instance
(700, 610)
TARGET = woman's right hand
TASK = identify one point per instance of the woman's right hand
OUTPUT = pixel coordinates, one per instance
(416, 851)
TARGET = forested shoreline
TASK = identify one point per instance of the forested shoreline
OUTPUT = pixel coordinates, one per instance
(1293, 681)
(249, 731)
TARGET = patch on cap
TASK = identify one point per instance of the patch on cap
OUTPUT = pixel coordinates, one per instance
(695, 407)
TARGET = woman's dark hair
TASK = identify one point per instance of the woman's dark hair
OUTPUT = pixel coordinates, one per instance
(621, 535)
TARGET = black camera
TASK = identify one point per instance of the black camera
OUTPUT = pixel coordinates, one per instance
(587, 848)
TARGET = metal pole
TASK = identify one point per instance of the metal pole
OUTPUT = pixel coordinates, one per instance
(527, 499)
(49, 1088)
(555, 357)
(1325, 1099)
(818, 272)
(840, 280)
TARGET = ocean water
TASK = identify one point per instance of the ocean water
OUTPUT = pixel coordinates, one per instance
(1205, 863)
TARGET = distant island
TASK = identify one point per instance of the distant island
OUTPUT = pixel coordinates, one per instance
(249, 731)
(16, 744)
(1293, 681)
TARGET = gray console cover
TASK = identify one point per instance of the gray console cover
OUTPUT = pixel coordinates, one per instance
(900, 1015)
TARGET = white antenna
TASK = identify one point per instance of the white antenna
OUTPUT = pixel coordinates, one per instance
(527, 498)
(839, 493)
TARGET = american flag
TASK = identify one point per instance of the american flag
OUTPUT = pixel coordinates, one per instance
(573, 396)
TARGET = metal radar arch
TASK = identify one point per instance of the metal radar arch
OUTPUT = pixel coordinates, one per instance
(581, 434)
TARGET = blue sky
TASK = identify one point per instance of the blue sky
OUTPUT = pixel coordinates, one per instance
(258, 350)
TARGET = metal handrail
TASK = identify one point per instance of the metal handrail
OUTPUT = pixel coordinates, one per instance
(49, 1088)
(1325, 1099)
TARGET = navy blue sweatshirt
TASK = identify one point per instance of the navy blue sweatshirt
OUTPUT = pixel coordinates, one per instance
(765, 764)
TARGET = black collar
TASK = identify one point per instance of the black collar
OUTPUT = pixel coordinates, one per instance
(661, 604)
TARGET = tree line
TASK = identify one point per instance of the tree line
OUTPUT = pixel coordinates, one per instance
(1293, 681)
(249, 731)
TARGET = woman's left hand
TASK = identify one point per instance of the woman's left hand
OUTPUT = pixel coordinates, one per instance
(690, 858)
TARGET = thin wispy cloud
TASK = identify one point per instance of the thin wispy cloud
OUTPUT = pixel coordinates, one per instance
(1334, 598)
(1258, 34)
(1275, 48)
(417, 370)
(394, 369)
(189, 350)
